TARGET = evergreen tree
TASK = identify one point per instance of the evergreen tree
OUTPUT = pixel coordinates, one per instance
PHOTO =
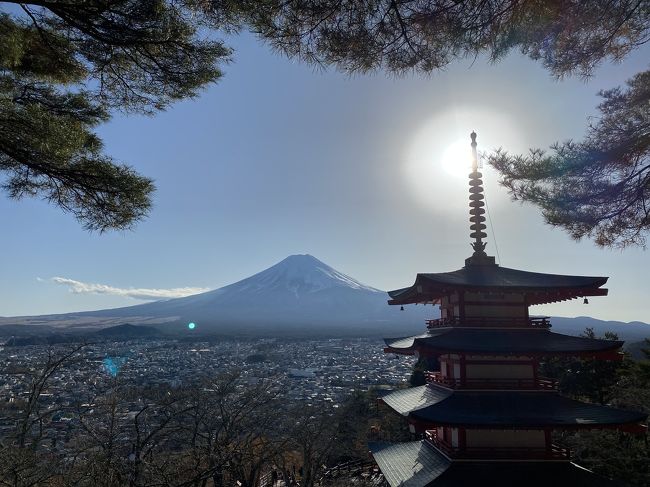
(64, 66)
(417, 375)
(588, 378)
(625, 385)
(570, 37)
(598, 188)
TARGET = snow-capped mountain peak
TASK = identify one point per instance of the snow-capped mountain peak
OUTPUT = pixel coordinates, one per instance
(301, 273)
(299, 293)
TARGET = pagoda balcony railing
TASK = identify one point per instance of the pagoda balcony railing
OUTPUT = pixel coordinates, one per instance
(555, 452)
(541, 383)
(542, 322)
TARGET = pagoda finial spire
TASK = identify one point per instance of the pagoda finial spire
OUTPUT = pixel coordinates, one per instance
(476, 205)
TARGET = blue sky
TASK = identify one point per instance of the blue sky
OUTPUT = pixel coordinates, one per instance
(281, 158)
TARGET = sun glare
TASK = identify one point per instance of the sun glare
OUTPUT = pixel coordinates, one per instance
(437, 171)
(457, 159)
(437, 160)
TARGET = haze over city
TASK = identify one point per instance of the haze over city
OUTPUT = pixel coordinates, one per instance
(280, 158)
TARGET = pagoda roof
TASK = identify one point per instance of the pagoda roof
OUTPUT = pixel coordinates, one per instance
(404, 401)
(410, 464)
(539, 288)
(418, 464)
(500, 341)
(506, 408)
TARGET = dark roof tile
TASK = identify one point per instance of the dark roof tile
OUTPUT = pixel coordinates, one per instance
(418, 464)
(412, 464)
(539, 287)
(404, 401)
(500, 341)
(530, 409)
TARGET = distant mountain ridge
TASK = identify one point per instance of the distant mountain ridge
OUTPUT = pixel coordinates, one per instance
(127, 330)
(123, 332)
(299, 296)
(632, 331)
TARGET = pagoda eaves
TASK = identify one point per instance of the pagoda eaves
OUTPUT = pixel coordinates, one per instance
(502, 341)
(415, 464)
(430, 406)
(538, 288)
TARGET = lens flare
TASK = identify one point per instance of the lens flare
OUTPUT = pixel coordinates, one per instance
(191, 325)
(112, 365)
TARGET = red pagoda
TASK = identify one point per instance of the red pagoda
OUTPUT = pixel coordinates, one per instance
(487, 416)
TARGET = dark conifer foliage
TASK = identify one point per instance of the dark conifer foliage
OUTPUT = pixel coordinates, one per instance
(64, 66)
(568, 37)
(597, 188)
(625, 385)
(600, 187)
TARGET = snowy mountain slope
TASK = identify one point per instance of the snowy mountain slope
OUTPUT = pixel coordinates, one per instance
(298, 292)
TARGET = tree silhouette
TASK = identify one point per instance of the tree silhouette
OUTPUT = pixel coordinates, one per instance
(597, 188)
(600, 187)
(400, 35)
(64, 66)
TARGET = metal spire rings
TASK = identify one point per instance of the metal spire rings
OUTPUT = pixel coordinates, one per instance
(476, 203)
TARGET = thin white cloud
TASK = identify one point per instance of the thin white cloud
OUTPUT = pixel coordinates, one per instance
(145, 294)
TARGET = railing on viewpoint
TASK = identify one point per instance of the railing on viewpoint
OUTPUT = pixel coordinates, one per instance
(555, 452)
(353, 468)
(542, 322)
(541, 383)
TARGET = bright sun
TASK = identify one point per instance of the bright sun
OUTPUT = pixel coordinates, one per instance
(457, 159)
(436, 171)
(436, 161)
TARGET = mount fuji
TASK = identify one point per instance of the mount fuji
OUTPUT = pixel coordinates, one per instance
(299, 295)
